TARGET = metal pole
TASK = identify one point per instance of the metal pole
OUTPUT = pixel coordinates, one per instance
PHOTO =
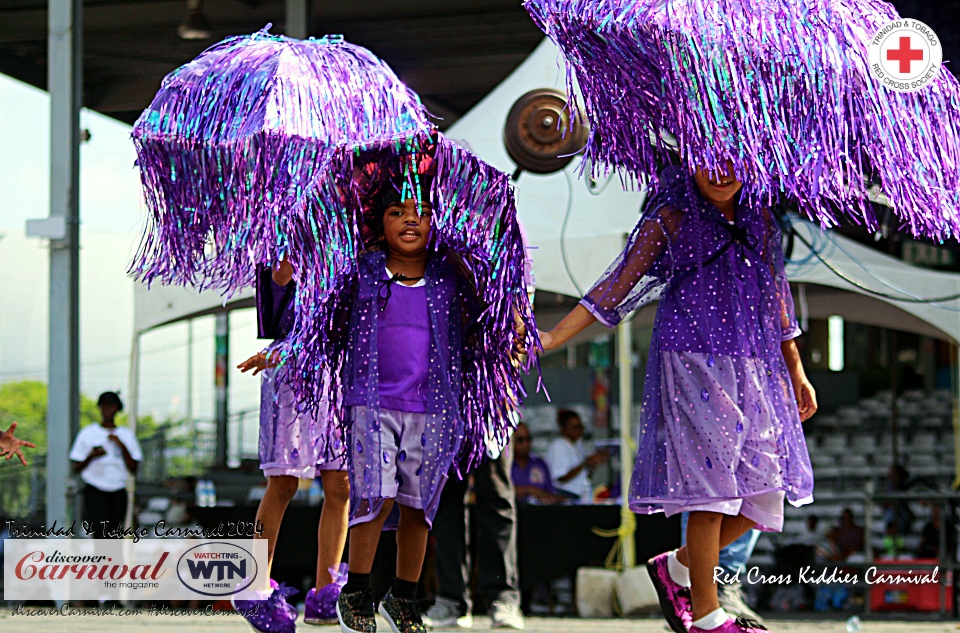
(222, 353)
(625, 361)
(133, 408)
(191, 425)
(955, 413)
(64, 81)
(895, 391)
(298, 19)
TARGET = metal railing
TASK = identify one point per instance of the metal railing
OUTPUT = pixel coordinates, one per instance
(946, 564)
(947, 561)
(22, 488)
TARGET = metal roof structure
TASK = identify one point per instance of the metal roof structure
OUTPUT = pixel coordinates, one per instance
(452, 52)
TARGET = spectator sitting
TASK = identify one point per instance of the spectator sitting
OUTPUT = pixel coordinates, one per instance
(568, 460)
(531, 476)
(929, 546)
(846, 538)
(814, 537)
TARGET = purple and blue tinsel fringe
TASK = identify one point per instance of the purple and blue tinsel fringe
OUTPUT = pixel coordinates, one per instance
(782, 88)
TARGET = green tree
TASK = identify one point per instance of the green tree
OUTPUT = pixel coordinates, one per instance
(25, 403)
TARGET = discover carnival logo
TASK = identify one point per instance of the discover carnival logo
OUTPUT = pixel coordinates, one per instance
(905, 55)
(217, 569)
(124, 569)
(38, 565)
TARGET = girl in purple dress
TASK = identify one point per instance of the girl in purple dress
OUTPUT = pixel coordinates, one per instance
(295, 445)
(725, 391)
(410, 319)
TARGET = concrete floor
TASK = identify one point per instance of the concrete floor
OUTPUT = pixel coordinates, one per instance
(146, 623)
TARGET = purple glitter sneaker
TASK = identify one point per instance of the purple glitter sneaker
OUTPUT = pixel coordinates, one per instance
(738, 625)
(321, 606)
(674, 600)
(269, 612)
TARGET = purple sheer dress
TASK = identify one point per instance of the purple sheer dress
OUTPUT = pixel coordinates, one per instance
(292, 442)
(719, 428)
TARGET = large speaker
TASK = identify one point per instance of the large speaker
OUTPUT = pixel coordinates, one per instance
(540, 134)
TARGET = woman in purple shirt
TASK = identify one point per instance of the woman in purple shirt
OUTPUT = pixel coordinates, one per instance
(531, 475)
(725, 390)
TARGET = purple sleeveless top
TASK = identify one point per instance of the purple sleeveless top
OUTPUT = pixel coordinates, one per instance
(403, 345)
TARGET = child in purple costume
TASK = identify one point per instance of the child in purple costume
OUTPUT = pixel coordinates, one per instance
(725, 390)
(409, 317)
(295, 445)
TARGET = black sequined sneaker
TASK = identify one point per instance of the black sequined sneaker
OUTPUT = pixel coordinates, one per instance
(402, 614)
(355, 612)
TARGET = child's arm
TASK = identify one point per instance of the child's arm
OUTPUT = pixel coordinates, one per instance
(614, 293)
(806, 396)
(569, 326)
(10, 445)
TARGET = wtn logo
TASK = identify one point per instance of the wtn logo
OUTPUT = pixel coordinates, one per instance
(224, 568)
(217, 568)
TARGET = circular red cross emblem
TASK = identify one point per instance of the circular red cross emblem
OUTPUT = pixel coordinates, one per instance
(905, 55)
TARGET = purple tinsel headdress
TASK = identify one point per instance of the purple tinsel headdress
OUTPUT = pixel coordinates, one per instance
(237, 150)
(781, 87)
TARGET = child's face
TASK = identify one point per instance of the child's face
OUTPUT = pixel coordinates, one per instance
(717, 188)
(407, 228)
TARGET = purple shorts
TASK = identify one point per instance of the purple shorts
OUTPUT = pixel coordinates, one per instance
(400, 442)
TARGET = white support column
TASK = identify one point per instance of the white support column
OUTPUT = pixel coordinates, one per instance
(133, 409)
(64, 81)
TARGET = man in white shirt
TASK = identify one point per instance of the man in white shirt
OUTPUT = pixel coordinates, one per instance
(104, 455)
(568, 460)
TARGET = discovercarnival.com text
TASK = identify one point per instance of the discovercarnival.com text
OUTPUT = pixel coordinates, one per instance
(67, 610)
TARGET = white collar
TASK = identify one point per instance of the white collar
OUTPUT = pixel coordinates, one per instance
(420, 282)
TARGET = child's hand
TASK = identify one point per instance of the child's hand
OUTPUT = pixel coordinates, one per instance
(257, 362)
(806, 399)
(97, 451)
(10, 445)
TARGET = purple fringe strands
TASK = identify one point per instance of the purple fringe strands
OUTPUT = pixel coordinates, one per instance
(237, 148)
(253, 153)
(781, 87)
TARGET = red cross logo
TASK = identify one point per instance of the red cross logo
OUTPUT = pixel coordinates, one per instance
(905, 54)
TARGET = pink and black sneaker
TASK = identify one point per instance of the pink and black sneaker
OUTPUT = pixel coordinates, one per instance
(674, 600)
(733, 625)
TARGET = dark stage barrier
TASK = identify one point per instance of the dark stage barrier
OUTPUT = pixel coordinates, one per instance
(553, 541)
